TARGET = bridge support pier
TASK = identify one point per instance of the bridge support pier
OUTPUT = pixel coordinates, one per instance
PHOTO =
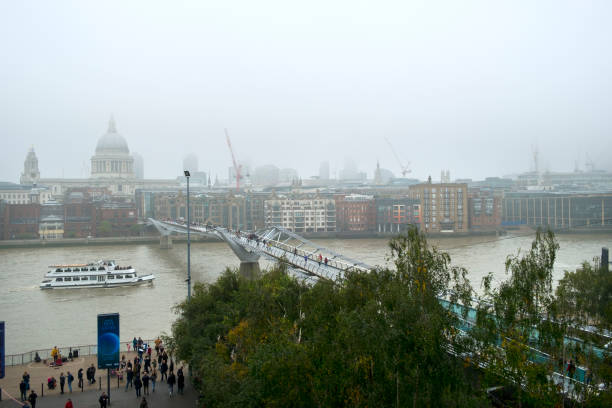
(165, 241)
(249, 270)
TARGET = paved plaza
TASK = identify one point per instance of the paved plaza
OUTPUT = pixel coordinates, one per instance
(88, 397)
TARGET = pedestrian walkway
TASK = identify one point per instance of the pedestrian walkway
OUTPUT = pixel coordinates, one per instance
(39, 373)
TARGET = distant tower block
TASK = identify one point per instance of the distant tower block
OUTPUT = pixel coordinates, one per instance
(30, 174)
(190, 163)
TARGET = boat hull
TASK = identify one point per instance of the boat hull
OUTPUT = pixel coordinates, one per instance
(141, 280)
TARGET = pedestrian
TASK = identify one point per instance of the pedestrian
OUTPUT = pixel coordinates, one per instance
(80, 377)
(326, 261)
(70, 379)
(164, 370)
(128, 346)
(180, 381)
(69, 404)
(145, 383)
(103, 400)
(305, 259)
(32, 398)
(143, 403)
(129, 378)
(26, 378)
(22, 389)
(171, 380)
(137, 385)
(62, 382)
(134, 343)
(153, 379)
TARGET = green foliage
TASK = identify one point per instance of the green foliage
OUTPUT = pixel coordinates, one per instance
(370, 339)
(515, 318)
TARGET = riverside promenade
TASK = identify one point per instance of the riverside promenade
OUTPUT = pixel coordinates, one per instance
(88, 397)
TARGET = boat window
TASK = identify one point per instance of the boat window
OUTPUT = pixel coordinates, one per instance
(93, 269)
(93, 277)
(111, 277)
(83, 278)
(75, 278)
(58, 270)
(59, 279)
(119, 276)
(67, 279)
(128, 276)
(101, 268)
(67, 270)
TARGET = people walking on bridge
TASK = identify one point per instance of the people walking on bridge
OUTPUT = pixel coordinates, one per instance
(326, 260)
(134, 343)
(305, 259)
(32, 398)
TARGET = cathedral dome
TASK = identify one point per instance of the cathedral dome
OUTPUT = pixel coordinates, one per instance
(112, 142)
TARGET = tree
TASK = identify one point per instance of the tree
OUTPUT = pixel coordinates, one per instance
(380, 338)
(517, 318)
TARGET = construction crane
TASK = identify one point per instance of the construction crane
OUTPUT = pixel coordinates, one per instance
(405, 169)
(237, 167)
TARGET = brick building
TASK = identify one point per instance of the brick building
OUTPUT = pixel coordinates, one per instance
(355, 213)
(394, 214)
(20, 221)
(485, 209)
(443, 207)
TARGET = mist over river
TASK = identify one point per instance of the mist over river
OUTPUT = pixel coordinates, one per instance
(38, 319)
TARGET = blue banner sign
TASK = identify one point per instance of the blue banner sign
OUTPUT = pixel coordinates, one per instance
(1, 349)
(108, 340)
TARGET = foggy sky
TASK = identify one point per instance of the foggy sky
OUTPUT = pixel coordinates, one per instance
(468, 86)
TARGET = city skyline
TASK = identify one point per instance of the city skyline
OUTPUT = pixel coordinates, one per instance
(472, 88)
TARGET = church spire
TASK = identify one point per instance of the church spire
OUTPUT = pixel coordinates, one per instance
(112, 128)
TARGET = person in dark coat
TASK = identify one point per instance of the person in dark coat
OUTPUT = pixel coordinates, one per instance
(32, 398)
(137, 385)
(22, 389)
(171, 381)
(62, 382)
(145, 383)
(103, 400)
(80, 377)
(164, 370)
(180, 381)
(129, 377)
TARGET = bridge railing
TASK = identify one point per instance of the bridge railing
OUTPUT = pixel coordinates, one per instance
(45, 354)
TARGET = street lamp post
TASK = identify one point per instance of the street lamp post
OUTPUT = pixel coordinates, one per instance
(187, 175)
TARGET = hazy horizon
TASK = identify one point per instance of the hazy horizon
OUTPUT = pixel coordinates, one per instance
(469, 86)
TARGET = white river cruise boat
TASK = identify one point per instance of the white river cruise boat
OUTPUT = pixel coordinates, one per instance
(101, 274)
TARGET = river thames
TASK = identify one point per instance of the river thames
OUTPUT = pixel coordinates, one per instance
(37, 319)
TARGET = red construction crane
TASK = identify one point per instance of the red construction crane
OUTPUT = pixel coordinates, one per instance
(237, 167)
